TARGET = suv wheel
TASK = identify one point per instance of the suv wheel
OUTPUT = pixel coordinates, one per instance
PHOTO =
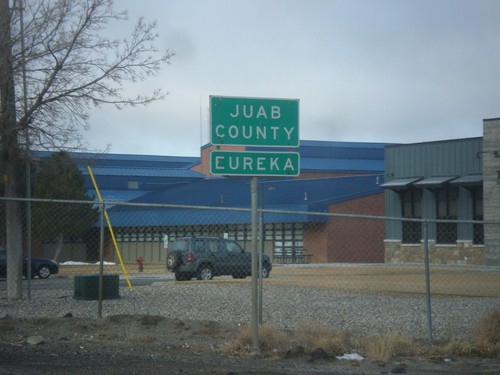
(171, 261)
(265, 272)
(205, 273)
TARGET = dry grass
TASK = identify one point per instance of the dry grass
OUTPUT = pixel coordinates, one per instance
(405, 279)
(314, 336)
(487, 336)
(272, 341)
(378, 348)
(382, 348)
(454, 347)
(241, 344)
(488, 330)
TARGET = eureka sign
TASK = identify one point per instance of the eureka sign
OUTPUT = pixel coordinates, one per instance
(254, 121)
(253, 163)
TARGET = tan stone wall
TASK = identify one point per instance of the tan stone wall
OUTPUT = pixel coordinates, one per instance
(491, 189)
(464, 252)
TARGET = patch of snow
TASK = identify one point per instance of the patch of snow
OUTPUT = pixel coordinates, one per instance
(71, 263)
(351, 357)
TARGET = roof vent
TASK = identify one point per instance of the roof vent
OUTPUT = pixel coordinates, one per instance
(133, 185)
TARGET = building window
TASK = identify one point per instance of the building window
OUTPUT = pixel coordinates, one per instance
(240, 232)
(411, 208)
(477, 212)
(289, 243)
(447, 209)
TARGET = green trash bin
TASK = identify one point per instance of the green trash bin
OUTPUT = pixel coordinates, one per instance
(86, 287)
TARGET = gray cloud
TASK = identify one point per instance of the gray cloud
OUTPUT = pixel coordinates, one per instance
(395, 71)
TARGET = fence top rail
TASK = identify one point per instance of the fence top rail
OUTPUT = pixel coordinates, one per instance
(243, 209)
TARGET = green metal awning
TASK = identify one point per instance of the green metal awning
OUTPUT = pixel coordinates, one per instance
(468, 180)
(434, 182)
(400, 183)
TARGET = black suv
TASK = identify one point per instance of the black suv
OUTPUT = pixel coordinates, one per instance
(206, 257)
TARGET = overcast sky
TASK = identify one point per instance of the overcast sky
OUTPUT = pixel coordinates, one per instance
(364, 70)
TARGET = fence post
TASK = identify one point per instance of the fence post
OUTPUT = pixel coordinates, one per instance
(427, 278)
(255, 269)
(101, 262)
(261, 251)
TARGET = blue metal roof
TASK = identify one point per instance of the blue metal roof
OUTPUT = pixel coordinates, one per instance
(126, 160)
(320, 192)
(336, 150)
(142, 172)
(217, 191)
(117, 195)
(115, 172)
(169, 180)
(306, 195)
(342, 150)
(321, 156)
(147, 217)
(341, 165)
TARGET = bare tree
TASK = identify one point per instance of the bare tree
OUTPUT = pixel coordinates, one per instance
(69, 66)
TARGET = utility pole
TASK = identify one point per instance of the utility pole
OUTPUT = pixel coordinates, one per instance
(10, 156)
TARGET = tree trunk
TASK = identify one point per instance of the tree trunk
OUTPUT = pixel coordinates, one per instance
(10, 156)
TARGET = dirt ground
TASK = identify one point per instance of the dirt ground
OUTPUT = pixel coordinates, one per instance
(156, 345)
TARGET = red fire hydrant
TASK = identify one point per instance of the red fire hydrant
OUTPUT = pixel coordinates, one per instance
(140, 264)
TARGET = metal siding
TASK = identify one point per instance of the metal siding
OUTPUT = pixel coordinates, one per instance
(442, 158)
(393, 206)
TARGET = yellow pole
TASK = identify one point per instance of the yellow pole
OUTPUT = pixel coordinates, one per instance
(110, 228)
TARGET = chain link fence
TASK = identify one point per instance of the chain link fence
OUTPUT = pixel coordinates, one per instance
(426, 278)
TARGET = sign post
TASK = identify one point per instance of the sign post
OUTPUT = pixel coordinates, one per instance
(256, 122)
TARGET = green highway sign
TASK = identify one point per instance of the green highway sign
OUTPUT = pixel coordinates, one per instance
(254, 121)
(253, 163)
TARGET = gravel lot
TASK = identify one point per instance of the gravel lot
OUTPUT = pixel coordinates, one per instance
(227, 300)
(185, 326)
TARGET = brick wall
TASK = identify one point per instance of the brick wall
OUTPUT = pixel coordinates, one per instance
(347, 240)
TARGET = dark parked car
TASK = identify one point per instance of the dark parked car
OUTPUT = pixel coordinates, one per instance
(206, 257)
(40, 267)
